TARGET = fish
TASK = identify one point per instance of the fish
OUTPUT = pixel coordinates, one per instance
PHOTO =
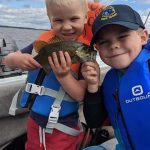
(78, 52)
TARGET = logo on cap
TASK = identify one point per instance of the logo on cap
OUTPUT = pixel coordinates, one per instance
(108, 13)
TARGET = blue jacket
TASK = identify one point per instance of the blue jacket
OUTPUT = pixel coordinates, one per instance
(128, 102)
(42, 104)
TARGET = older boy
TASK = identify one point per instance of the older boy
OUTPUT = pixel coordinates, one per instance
(53, 125)
(122, 42)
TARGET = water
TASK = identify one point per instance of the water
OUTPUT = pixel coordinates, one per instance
(22, 36)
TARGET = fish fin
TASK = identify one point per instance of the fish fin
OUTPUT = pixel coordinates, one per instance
(54, 40)
(38, 45)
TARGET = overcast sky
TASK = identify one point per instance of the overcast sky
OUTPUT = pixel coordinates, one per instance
(32, 13)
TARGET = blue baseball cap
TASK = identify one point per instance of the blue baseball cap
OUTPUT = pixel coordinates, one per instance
(122, 15)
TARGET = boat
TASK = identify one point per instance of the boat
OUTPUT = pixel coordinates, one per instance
(10, 82)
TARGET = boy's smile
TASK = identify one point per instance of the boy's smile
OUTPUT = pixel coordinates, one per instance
(119, 46)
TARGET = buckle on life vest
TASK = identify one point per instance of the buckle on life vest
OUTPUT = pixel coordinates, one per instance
(34, 89)
(54, 114)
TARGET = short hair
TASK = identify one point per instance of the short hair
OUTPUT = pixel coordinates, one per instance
(59, 3)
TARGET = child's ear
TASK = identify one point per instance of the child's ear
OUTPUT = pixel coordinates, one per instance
(144, 36)
(95, 45)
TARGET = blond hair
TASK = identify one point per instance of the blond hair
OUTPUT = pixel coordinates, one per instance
(60, 3)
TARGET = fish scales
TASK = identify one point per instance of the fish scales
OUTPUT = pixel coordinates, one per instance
(61, 46)
(78, 52)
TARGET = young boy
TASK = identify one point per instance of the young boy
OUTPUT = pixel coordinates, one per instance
(122, 42)
(53, 122)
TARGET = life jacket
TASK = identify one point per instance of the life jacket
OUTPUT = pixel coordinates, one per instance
(128, 102)
(56, 103)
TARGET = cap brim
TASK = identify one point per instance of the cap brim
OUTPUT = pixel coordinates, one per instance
(128, 25)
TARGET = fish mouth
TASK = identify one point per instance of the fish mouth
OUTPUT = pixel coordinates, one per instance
(86, 56)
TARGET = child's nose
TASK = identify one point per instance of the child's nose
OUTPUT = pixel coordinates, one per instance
(114, 44)
(67, 26)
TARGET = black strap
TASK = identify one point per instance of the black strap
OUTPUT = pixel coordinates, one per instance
(38, 81)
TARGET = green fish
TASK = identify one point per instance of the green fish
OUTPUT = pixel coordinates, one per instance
(78, 52)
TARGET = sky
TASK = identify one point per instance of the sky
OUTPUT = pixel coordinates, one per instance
(32, 13)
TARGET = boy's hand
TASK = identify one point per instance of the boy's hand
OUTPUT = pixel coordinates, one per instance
(22, 61)
(60, 63)
(91, 73)
(26, 62)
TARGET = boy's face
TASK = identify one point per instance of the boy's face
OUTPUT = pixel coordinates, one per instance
(119, 46)
(68, 22)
